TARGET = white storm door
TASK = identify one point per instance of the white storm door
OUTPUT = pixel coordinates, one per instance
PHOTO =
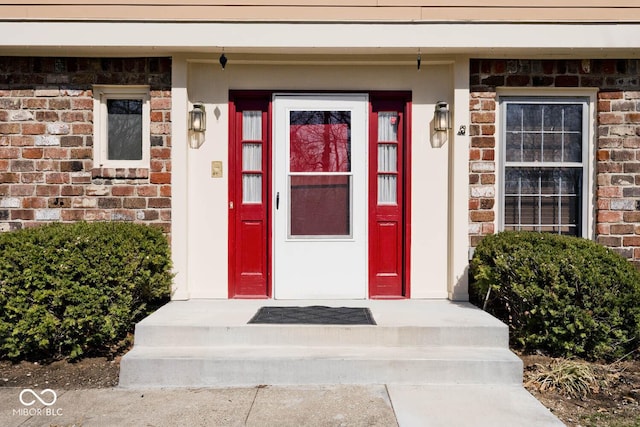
(320, 196)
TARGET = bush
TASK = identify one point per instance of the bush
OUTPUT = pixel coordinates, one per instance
(561, 295)
(68, 290)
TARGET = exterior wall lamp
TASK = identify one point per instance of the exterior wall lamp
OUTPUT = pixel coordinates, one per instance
(197, 125)
(441, 124)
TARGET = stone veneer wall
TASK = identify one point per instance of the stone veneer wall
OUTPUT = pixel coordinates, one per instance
(617, 157)
(46, 139)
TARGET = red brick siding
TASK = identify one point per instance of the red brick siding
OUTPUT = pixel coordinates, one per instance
(618, 172)
(617, 157)
(46, 143)
(482, 165)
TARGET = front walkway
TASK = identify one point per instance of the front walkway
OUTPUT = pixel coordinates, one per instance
(295, 406)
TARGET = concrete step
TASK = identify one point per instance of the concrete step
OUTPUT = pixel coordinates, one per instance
(319, 336)
(399, 323)
(210, 344)
(297, 365)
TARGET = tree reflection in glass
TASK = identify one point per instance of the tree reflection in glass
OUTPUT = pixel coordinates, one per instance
(320, 166)
(124, 129)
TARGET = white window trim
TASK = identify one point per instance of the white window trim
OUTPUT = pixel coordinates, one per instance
(101, 93)
(588, 151)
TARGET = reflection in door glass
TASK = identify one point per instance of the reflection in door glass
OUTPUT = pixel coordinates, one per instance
(320, 141)
(320, 169)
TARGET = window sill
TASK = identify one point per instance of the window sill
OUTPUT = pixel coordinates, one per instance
(127, 173)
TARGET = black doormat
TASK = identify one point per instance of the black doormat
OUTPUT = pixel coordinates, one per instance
(314, 315)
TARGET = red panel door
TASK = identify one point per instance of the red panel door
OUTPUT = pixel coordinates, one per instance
(249, 226)
(388, 201)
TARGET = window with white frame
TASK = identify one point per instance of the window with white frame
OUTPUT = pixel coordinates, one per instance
(544, 152)
(122, 126)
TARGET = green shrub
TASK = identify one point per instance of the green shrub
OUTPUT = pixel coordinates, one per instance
(68, 290)
(561, 295)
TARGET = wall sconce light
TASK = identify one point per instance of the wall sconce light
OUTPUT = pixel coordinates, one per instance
(198, 118)
(197, 125)
(441, 124)
(441, 117)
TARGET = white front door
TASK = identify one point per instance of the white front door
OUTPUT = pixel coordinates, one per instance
(320, 196)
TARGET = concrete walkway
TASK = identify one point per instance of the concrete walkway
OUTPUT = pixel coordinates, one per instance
(264, 406)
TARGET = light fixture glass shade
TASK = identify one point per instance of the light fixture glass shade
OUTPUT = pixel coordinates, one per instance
(438, 139)
(196, 139)
(198, 118)
(441, 117)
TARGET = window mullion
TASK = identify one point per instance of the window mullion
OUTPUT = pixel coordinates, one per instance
(562, 138)
(542, 135)
(520, 203)
(522, 135)
(560, 205)
(539, 201)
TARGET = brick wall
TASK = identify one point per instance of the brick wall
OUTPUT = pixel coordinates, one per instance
(46, 143)
(618, 172)
(482, 166)
(617, 181)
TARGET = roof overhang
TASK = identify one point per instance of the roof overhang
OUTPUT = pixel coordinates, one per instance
(108, 38)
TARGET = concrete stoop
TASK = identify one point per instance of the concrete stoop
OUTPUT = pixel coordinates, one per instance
(208, 343)
(438, 363)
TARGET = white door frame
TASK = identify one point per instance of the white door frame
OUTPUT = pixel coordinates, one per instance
(315, 267)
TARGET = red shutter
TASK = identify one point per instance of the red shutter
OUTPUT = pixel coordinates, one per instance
(249, 226)
(388, 213)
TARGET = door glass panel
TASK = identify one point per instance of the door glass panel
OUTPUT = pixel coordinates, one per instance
(251, 188)
(388, 126)
(252, 125)
(387, 162)
(320, 173)
(387, 158)
(251, 182)
(320, 205)
(387, 194)
(320, 141)
(251, 157)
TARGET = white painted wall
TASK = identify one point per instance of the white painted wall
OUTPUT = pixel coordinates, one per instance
(206, 209)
